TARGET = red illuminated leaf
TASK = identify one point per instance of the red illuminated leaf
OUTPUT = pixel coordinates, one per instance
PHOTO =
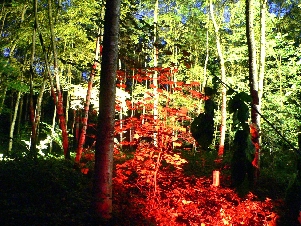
(121, 85)
(194, 83)
(117, 107)
(196, 93)
(152, 86)
(170, 82)
(84, 170)
(148, 98)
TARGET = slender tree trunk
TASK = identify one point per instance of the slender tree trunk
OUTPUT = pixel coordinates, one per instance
(60, 107)
(38, 108)
(155, 76)
(82, 138)
(13, 122)
(20, 115)
(224, 89)
(262, 54)
(261, 66)
(2, 98)
(253, 82)
(33, 139)
(105, 135)
(206, 60)
(52, 128)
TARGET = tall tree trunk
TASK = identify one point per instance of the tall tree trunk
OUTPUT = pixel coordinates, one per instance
(33, 139)
(223, 80)
(202, 88)
(155, 76)
(2, 98)
(52, 128)
(102, 188)
(253, 82)
(60, 107)
(82, 137)
(261, 65)
(20, 115)
(13, 122)
(262, 53)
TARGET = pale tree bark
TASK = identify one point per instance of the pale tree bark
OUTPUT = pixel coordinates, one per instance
(155, 76)
(104, 148)
(82, 137)
(206, 59)
(253, 83)
(33, 139)
(223, 80)
(2, 97)
(12, 126)
(263, 10)
(60, 107)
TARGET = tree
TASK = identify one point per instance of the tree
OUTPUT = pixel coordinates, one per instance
(102, 188)
(253, 81)
(59, 101)
(223, 80)
(82, 137)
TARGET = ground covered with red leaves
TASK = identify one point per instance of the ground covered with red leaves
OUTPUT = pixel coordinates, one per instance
(152, 189)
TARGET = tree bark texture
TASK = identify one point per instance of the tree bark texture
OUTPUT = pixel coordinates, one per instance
(223, 79)
(262, 53)
(253, 82)
(155, 76)
(106, 119)
(12, 126)
(82, 137)
(60, 107)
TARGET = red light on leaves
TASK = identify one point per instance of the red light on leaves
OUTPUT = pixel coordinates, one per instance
(194, 83)
(196, 94)
(121, 85)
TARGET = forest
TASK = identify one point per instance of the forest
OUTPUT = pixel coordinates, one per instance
(130, 112)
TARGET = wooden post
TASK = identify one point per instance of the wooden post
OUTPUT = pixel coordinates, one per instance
(215, 178)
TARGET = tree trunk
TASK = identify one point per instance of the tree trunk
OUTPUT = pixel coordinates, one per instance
(102, 188)
(253, 82)
(155, 76)
(13, 122)
(60, 107)
(223, 80)
(262, 53)
(33, 139)
(202, 88)
(82, 137)
(52, 128)
(20, 116)
(261, 65)
(2, 98)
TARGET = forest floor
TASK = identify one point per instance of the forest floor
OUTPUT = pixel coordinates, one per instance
(149, 188)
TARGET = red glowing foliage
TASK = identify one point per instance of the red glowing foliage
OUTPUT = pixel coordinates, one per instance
(182, 200)
(153, 185)
(121, 85)
(160, 90)
(194, 83)
(196, 94)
